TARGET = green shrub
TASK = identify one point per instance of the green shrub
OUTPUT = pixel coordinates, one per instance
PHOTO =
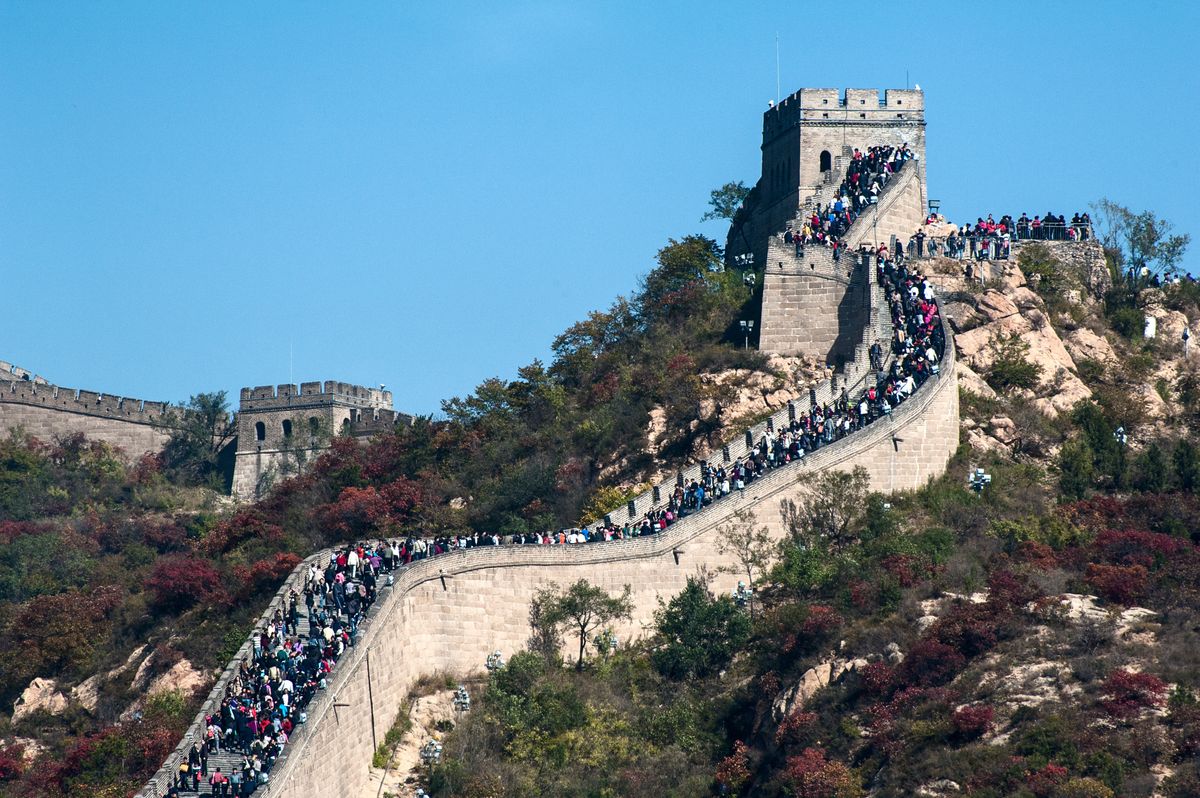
(1010, 367)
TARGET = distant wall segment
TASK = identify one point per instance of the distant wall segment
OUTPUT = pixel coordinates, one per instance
(49, 411)
(280, 427)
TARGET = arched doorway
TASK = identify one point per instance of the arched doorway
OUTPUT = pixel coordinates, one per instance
(826, 161)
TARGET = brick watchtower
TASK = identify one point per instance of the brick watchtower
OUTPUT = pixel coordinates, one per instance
(281, 428)
(807, 144)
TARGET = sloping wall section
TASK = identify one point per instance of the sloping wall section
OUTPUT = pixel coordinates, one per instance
(448, 613)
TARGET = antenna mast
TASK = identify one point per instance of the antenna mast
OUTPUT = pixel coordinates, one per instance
(777, 67)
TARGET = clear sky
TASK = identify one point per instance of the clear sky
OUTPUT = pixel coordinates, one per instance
(202, 196)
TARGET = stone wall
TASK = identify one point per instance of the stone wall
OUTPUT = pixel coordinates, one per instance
(424, 626)
(813, 306)
(448, 613)
(48, 412)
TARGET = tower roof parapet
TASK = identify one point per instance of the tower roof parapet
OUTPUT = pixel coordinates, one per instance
(268, 397)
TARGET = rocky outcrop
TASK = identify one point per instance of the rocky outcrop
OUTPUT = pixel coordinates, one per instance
(823, 674)
(1083, 344)
(1021, 313)
(182, 677)
(87, 692)
(42, 695)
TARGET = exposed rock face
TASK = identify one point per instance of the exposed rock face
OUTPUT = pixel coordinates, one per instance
(404, 775)
(1020, 312)
(968, 380)
(822, 674)
(87, 692)
(41, 695)
(1083, 344)
(182, 677)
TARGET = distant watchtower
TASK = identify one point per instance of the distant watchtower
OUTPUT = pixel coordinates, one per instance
(281, 428)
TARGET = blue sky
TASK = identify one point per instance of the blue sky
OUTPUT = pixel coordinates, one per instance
(201, 196)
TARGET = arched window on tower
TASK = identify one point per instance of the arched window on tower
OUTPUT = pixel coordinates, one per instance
(287, 428)
(260, 431)
(314, 426)
(826, 161)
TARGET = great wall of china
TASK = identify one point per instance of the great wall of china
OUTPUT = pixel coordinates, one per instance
(448, 613)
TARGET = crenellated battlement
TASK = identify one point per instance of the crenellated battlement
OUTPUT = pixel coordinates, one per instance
(81, 401)
(280, 427)
(850, 106)
(267, 397)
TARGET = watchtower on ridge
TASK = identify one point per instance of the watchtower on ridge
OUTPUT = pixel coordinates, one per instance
(280, 427)
(810, 304)
(806, 137)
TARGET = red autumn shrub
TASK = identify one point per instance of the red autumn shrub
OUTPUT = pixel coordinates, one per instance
(11, 530)
(970, 629)
(930, 663)
(862, 594)
(146, 468)
(877, 677)
(179, 583)
(163, 536)
(357, 513)
(1126, 693)
(904, 567)
(244, 525)
(266, 575)
(768, 683)
(1009, 591)
(12, 761)
(794, 724)
(1136, 547)
(1038, 555)
(811, 775)
(1124, 584)
(1042, 782)
(734, 770)
(821, 620)
(972, 722)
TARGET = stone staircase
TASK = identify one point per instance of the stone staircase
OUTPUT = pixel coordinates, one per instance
(230, 759)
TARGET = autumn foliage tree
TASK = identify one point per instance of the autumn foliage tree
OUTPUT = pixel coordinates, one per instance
(179, 583)
(811, 775)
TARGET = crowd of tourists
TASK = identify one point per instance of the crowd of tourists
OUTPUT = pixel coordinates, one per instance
(989, 239)
(865, 179)
(290, 662)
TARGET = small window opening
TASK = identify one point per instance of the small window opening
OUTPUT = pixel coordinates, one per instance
(826, 161)
(260, 431)
(287, 428)
(314, 425)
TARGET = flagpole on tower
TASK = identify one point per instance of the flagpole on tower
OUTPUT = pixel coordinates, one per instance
(777, 67)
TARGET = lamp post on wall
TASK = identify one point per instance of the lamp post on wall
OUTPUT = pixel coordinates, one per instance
(747, 326)
(978, 479)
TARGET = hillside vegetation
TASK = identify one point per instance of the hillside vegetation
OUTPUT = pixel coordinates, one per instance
(1037, 639)
(117, 579)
